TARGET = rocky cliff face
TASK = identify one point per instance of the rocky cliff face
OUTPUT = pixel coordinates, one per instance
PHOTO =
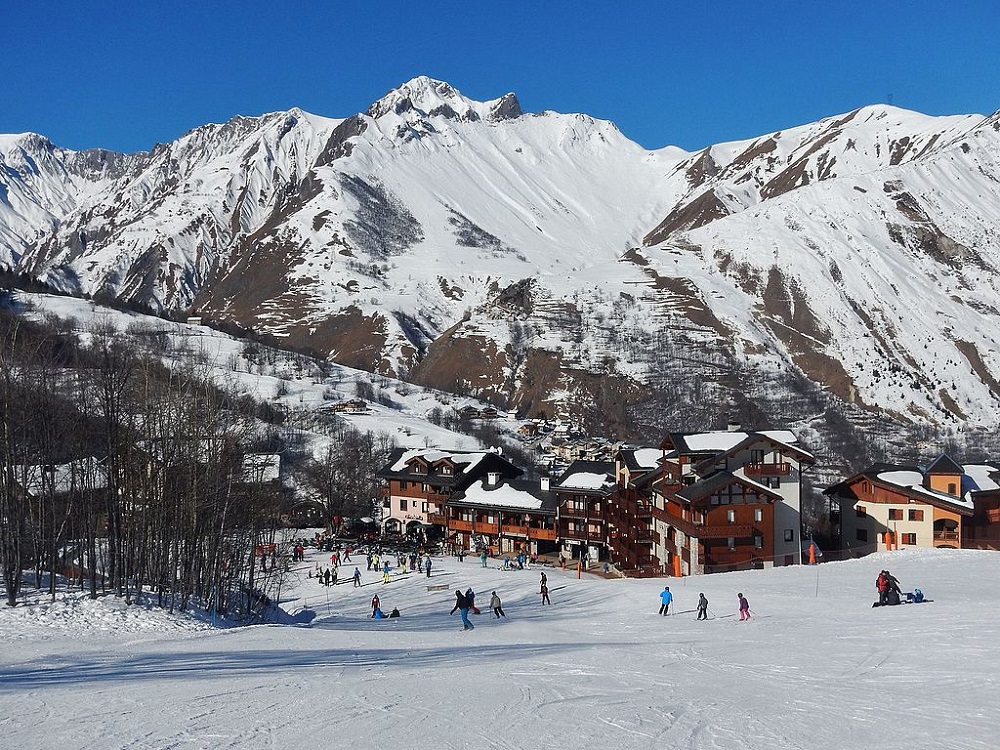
(548, 262)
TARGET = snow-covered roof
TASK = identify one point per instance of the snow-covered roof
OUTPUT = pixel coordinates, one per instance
(912, 482)
(501, 496)
(433, 455)
(903, 478)
(261, 467)
(586, 480)
(980, 474)
(63, 477)
(648, 458)
(714, 441)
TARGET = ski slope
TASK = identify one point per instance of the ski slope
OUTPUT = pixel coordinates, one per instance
(815, 668)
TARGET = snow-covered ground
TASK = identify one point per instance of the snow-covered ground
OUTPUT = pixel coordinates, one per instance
(816, 667)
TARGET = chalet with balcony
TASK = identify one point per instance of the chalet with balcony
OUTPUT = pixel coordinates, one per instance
(503, 516)
(945, 504)
(582, 493)
(416, 484)
(631, 538)
(707, 502)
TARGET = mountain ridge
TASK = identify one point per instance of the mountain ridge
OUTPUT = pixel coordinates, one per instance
(547, 262)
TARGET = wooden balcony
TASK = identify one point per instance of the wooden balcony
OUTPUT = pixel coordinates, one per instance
(438, 518)
(514, 530)
(947, 536)
(455, 524)
(568, 512)
(768, 470)
(547, 534)
(993, 515)
(483, 527)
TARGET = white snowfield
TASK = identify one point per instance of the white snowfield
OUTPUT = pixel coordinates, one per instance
(815, 668)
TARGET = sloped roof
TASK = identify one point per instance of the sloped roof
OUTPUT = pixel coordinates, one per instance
(944, 464)
(587, 475)
(720, 480)
(516, 494)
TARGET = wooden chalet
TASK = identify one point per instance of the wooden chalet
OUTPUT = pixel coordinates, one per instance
(707, 502)
(503, 516)
(417, 483)
(582, 493)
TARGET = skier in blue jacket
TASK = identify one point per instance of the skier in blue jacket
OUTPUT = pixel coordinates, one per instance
(665, 598)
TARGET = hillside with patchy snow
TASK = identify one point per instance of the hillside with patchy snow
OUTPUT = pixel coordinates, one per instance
(547, 262)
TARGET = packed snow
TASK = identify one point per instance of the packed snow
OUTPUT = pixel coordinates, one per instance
(816, 667)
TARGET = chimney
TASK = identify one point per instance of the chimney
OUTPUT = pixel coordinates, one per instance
(545, 484)
(493, 478)
(734, 426)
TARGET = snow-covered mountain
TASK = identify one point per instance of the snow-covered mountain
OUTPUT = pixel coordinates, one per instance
(538, 258)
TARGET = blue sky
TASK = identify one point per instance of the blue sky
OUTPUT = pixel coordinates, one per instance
(125, 75)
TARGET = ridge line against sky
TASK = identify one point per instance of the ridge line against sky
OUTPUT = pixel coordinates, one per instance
(125, 76)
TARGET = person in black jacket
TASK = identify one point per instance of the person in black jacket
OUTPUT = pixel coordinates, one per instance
(462, 605)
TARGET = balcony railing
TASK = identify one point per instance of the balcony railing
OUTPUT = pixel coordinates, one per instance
(547, 534)
(438, 518)
(946, 536)
(455, 524)
(768, 470)
(484, 527)
(509, 528)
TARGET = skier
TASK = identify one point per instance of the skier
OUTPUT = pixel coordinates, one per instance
(471, 596)
(427, 566)
(702, 607)
(744, 607)
(482, 557)
(333, 578)
(496, 606)
(385, 576)
(357, 578)
(394, 613)
(375, 604)
(665, 598)
(545, 594)
(326, 577)
(462, 605)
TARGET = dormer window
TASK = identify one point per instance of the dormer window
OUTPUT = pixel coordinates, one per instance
(952, 488)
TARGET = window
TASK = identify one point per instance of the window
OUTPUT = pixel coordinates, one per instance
(758, 514)
(424, 508)
(758, 541)
(731, 543)
(402, 484)
(862, 535)
(916, 515)
(861, 511)
(951, 488)
(446, 470)
(789, 535)
(402, 503)
(425, 488)
(757, 456)
(731, 516)
(895, 514)
(910, 539)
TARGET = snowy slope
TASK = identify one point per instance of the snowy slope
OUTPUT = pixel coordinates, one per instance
(472, 246)
(816, 667)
